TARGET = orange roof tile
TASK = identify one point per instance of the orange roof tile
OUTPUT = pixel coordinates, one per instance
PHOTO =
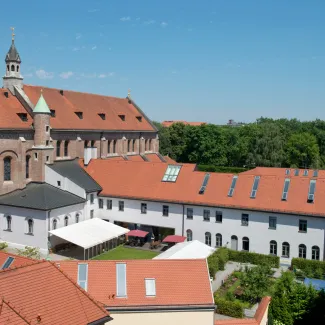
(9, 315)
(18, 260)
(153, 157)
(169, 123)
(175, 285)
(143, 180)
(9, 107)
(42, 290)
(90, 105)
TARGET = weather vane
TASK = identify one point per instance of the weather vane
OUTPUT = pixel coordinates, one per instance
(13, 33)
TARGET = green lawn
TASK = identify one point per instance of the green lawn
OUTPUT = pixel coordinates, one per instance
(122, 253)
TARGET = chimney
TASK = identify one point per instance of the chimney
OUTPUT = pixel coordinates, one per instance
(6, 94)
(61, 92)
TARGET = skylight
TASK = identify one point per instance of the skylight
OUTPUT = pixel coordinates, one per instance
(287, 172)
(80, 115)
(305, 172)
(7, 263)
(83, 275)
(232, 186)
(311, 192)
(150, 287)
(121, 280)
(285, 189)
(296, 172)
(171, 173)
(205, 183)
(255, 187)
(315, 174)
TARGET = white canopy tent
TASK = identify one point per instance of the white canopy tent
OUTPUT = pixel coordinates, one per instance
(90, 233)
(187, 250)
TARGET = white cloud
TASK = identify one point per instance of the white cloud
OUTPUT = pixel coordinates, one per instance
(94, 47)
(42, 74)
(149, 22)
(163, 24)
(125, 18)
(66, 75)
(78, 36)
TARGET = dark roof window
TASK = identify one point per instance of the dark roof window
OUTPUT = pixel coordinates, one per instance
(139, 118)
(205, 183)
(122, 117)
(23, 116)
(102, 116)
(52, 112)
(79, 114)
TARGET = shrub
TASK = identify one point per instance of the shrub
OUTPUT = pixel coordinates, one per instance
(217, 261)
(221, 169)
(229, 308)
(30, 252)
(3, 245)
(254, 258)
(310, 268)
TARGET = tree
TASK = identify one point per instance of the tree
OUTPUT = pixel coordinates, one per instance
(30, 252)
(302, 151)
(255, 282)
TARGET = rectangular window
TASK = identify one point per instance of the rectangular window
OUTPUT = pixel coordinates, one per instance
(100, 203)
(189, 213)
(59, 183)
(47, 128)
(7, 263)
(255, 187)
(150, 287)
(165, 210)
(121, 205)
(47, 158)
(311, 192)
(47, 143)
(287, 172)
(206, 215)
(91, 214)
(218, 216)
(205, 183)
(305, 172)
(83, 275)
(232, 186)
(244, 219)
(315, 174)
(285, 189)
(296, 172)
(303, 225)
(272, 222)
(35, 156)
(144, 208)
(171, 173)
(109, 204)
(91, 198)
(121, 280)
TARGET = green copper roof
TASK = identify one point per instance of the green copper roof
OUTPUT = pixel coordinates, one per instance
(41, 106)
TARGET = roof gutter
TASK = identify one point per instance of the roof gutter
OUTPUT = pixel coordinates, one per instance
(101, 321)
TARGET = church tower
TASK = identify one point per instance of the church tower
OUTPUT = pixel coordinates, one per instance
(12, 77)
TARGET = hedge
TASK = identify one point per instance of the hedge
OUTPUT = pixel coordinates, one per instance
(220, 169)
(217, 261)
(254, 258)
(308, 266)
(229, 308)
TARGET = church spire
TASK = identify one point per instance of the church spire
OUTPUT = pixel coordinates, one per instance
(12, 77)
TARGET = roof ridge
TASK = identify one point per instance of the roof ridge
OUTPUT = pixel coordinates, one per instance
(18, 313)
(78, 287)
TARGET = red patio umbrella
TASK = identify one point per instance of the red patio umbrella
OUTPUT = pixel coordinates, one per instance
(137, 233)
(174, 239)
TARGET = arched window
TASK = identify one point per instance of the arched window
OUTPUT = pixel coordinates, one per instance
(54, 224)
(8, 67)
(273, 247)
(129, 145)
(77, 217)
(66, 221)
(66, 148)
(8, 219)
(285, 249)
(86, 144)
(30, 226)
(58, 148)
(147, 145)
(92, 144)
(245, 244)
(234, 242)
(189, 235)
(302, 251)
(27, 165)
(7, 168)
(114, 146)
(12, 68)
(108, 146)
(17, 68)
(218, 240)
(315, 253)
(150, 145)
(208, 238)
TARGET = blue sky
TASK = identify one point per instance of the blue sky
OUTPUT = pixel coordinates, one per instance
(207, 60)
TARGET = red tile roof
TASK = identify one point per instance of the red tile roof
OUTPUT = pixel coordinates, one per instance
(143, 180)
(18, 260)
(258, 317)
(174, 239)
(41, 290)
(9, 107)
(90, 105)
(178, 282)
(169, 123)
